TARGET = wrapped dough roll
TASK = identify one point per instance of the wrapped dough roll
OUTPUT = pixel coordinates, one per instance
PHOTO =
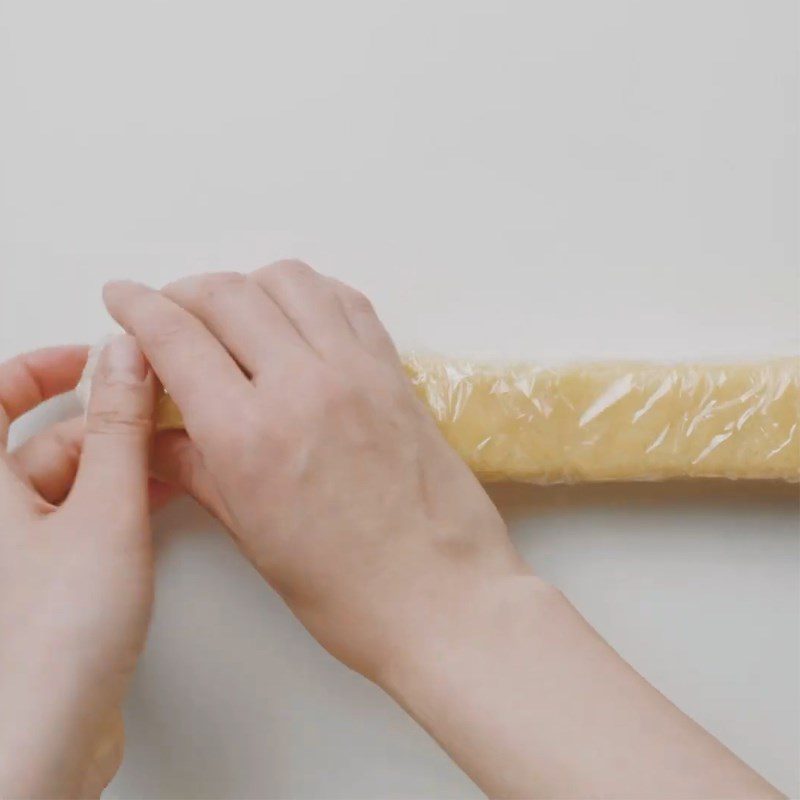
(612, 421)
(617, 421)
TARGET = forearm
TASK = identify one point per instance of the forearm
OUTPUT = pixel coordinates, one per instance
(41, 752)
(57, 738)
(531, 702)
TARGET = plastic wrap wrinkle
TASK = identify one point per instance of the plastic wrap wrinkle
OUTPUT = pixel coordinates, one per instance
(609, 421)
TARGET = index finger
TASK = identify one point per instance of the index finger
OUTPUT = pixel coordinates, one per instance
(31, 378)
(194, 368)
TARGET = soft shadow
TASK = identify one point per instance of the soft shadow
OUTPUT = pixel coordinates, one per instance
(516, 500)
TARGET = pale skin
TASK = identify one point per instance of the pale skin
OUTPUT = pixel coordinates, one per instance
(306, 441)
(76, 574)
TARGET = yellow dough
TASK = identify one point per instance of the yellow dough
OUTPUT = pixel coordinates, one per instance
(612, 421)
(617, 421)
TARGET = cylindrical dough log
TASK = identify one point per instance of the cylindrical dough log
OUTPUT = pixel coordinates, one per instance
(613, 421)
(617, 421)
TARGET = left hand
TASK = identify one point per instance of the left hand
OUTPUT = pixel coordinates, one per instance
(76, 570)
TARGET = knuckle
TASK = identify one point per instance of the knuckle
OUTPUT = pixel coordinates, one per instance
(179, 287)
(360, 303)
(164, 335)
(115, 421)
(203, 287)
(292, 269)
(220, 281)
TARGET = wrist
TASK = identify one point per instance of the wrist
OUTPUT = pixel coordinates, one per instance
(461, 628)
(476, 683)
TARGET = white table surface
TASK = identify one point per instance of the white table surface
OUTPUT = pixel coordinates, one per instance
(541, 179)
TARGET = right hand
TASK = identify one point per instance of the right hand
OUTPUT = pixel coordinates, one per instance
(305, 438)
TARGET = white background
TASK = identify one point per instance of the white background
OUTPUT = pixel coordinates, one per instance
(540, 179)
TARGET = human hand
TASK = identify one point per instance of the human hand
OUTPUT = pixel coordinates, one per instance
(76, 578)
(306, 439)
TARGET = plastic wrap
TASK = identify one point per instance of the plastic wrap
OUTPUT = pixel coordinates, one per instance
(615, 421)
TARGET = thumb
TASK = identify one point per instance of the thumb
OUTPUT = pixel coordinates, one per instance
(112, 475)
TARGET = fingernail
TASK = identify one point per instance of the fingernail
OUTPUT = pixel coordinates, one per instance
(124, 360)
